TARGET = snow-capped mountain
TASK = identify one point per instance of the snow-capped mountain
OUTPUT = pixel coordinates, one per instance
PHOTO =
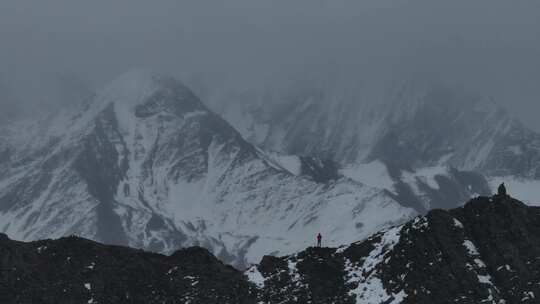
(146, 164)
(403, 138)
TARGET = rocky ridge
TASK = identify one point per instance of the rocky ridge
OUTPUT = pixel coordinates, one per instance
(487, 251)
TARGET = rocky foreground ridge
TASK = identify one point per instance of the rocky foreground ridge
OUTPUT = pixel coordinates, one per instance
(487, 251)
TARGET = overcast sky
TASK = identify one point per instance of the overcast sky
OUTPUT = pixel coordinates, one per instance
(492, 46)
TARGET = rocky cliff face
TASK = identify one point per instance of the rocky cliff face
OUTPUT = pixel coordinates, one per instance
(146, 164)
(484, 252)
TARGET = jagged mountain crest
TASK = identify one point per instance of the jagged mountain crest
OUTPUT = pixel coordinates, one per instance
(409, 127)
(484, 252)
(350, 125)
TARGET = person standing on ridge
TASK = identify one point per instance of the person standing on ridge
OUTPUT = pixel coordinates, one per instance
(319, 237)
(501, 191)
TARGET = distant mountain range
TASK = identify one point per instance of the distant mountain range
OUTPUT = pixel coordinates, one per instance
(410, 126)
(416, 139)
(484, 252)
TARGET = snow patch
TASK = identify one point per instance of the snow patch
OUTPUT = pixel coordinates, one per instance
(374, 174)
(293, 272)
(420, 223)
(254, 276)
(289, 163)
(471, 248)
(369, 286)
(425, 175)
(458, 224)
(193, 114)
(480, 269)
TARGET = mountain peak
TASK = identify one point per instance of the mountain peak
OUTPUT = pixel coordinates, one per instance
(134, 77)
(132, 87)
(140, 93)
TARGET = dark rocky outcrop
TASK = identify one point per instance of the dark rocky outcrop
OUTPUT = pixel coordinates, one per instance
(75, 270)
(487, 251)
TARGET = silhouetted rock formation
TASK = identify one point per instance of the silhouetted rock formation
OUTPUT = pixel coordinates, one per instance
(487, 251)
(75, 270)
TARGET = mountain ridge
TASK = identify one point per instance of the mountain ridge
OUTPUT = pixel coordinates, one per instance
(484, 252)
(410, 128)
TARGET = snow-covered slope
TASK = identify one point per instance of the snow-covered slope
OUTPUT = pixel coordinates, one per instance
(404, 132)
(145, 163)
(425, 188)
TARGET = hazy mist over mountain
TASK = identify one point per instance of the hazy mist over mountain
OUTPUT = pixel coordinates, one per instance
(329, 151)
(52, 47)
